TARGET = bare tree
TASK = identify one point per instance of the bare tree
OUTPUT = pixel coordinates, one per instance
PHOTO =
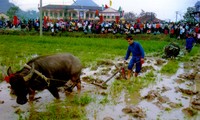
(130, 16)
(142, 13)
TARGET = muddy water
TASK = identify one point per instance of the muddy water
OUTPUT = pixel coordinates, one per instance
(154, 109)
(165, 85)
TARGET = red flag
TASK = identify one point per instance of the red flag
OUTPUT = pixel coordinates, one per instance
(101, 18)
(18, 21)
(15, 20)
(138, 20)
(97, 13)
(117, 19)
(45, 19)
(106, 6)
(48, 19)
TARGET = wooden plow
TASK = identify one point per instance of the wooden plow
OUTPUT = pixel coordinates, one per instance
(119, 70)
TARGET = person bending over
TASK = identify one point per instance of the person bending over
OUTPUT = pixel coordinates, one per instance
(137, 56)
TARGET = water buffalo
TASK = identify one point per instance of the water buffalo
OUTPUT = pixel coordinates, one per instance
(172, 50)
(46, 72)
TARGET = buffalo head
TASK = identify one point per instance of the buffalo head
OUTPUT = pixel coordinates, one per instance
(18, 84)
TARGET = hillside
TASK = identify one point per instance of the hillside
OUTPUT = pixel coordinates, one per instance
(5, 5)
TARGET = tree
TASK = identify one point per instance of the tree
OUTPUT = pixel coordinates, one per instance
(187, 16)
(130, 16)
(151, 15)
(147, 16)
(12, 11)
(2, 18)
(142, 13)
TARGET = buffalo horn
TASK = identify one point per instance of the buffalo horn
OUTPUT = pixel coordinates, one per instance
(27, 77)
(9, 71)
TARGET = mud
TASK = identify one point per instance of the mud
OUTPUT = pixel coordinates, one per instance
(171, 97)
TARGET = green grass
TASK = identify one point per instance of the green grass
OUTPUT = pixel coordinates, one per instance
(15, 51)
(83, 100)
(59, 112)
(104, 100)
(71, 109)
(194, 53)
(173, 64)
(170, 68)
(133, 85)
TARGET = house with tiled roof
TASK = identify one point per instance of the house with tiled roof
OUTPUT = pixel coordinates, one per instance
(3, 16)
(85, 3)
(109, 14)
(80, 9)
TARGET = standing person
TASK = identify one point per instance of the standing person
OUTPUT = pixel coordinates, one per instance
(189, 42)
(137, 56)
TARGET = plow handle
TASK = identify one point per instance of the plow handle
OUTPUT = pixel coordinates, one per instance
(111, 77)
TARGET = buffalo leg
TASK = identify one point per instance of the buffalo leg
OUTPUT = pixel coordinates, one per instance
(78, 86)
(54, 92)
(31, 94)
(77, 81)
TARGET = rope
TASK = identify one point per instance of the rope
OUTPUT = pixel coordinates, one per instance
(43, 76)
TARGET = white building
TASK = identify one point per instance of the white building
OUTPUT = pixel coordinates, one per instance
(81, 9)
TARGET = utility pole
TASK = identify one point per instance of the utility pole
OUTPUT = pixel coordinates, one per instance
(176, 15)
(41, 18)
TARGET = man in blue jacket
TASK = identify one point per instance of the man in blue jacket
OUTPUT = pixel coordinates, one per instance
(189, 42)
(137, 56)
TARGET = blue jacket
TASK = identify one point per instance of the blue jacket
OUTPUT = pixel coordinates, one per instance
(189, 42)
(136, 50)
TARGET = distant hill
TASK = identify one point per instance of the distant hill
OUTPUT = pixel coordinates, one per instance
(5, 5)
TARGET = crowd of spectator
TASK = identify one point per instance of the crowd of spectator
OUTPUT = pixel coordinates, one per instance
(177, 30)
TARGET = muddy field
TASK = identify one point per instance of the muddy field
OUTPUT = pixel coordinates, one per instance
(174, 97)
